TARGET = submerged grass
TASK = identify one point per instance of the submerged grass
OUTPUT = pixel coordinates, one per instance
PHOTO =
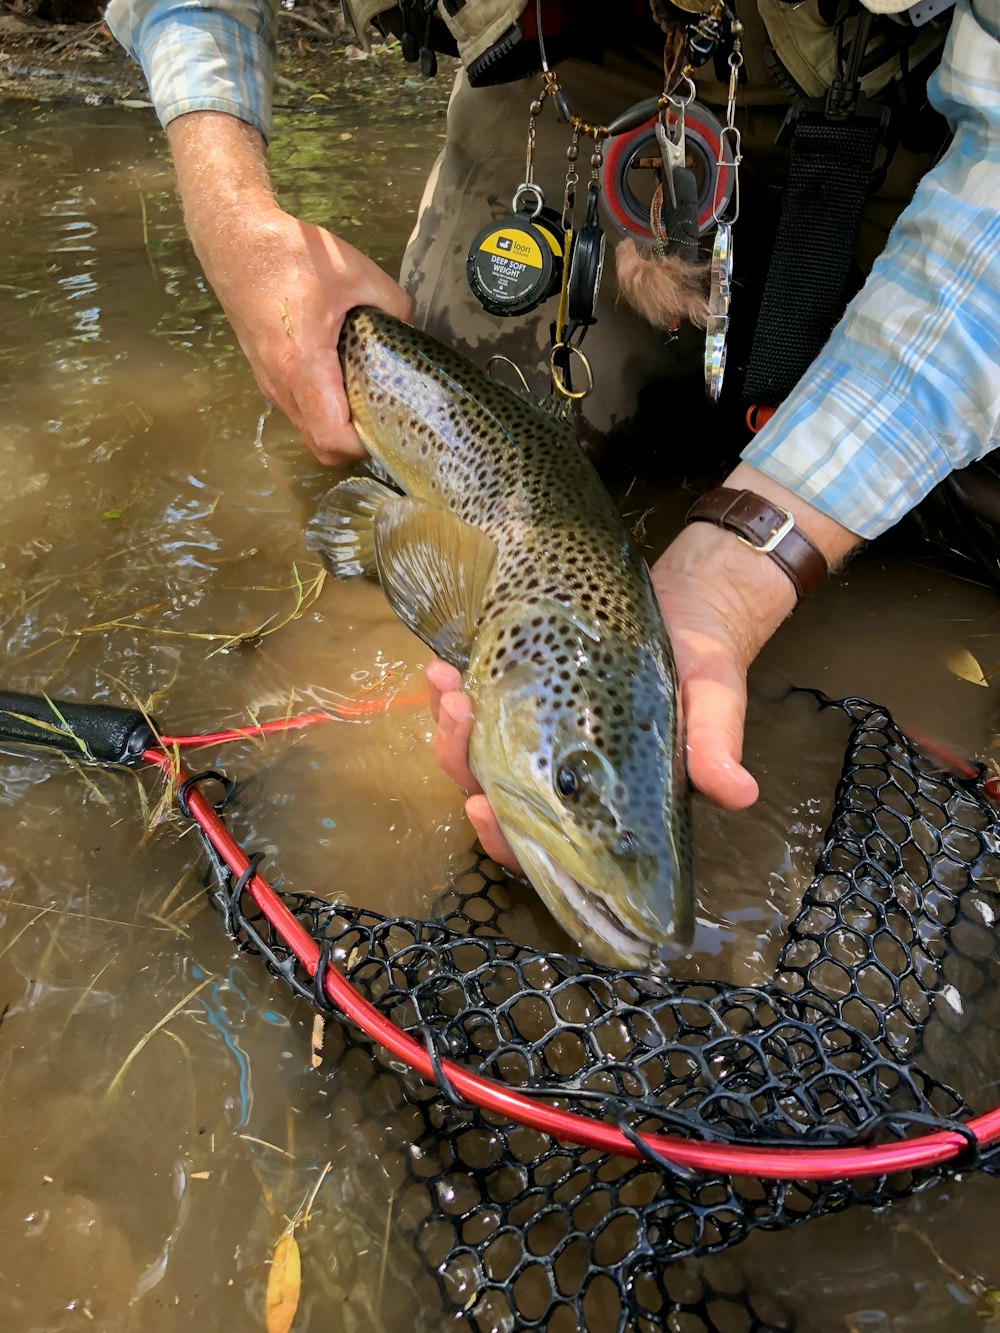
(81, 916)
(306, 593)
(385, 1258)
(147, 1037)
(24, 929)
(284, 1282)
(82, 999)
(971, 1286)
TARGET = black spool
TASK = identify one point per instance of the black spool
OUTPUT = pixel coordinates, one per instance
(586, 267)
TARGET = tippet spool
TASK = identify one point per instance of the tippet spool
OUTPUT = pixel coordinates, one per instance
(624, 198)
(586, 266)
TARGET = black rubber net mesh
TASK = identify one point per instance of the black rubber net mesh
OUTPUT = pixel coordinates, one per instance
(887, 965)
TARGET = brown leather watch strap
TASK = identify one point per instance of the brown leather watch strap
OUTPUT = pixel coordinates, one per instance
(765, 528)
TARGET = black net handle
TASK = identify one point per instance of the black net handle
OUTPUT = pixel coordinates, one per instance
(100, 733)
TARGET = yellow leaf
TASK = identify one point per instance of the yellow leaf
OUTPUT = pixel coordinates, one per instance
(962, 664)
(283, 1285)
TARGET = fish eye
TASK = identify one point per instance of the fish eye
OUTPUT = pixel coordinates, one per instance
(583, 775)
(568, 782)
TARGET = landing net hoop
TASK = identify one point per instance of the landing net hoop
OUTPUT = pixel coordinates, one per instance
(672, 1152)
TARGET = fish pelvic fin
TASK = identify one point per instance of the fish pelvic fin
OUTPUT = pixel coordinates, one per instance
(342, 532)
(435, 569)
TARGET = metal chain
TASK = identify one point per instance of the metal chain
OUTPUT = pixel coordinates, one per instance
(730, 134)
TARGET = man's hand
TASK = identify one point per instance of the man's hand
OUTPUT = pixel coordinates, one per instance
(286, 288)
(284, 284)
(452, 712)
(721, 603)
(716, 632)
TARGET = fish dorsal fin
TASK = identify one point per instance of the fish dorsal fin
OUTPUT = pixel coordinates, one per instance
(341, 529)
(434, 569)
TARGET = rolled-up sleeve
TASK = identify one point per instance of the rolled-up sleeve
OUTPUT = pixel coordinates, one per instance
(908, 386)
(202, 55)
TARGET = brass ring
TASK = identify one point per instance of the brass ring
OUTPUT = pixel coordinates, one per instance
(560, 386)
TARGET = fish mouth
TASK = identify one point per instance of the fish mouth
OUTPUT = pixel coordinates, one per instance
(588, 919)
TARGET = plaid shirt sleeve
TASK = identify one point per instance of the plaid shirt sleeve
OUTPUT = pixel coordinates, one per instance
(908, 386)
(202, 55)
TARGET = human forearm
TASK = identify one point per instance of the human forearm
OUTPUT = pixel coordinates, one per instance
(223, 180)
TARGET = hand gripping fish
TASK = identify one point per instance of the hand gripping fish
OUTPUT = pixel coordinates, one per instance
(507, 557)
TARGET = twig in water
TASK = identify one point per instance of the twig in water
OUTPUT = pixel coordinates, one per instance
(385, 1257)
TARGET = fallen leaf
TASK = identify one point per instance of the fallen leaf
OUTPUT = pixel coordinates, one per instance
(113, 513)
(200, 1175)
(316, 1055)
(284, 1284)
(962, 664)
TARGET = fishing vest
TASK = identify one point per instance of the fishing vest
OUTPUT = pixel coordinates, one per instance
(476, 26)
(795, 46)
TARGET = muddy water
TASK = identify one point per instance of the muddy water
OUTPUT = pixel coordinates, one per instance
(160, 1120)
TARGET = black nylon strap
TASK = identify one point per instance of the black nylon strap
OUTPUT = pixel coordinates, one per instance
(804, 296)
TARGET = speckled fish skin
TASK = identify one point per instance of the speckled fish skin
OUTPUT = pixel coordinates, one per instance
(569, 666)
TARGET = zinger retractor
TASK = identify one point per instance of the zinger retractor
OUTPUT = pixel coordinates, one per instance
(631, 150)
(586, 265)
(516, 262)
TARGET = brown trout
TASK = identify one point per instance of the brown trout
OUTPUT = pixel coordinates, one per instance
(507, 557)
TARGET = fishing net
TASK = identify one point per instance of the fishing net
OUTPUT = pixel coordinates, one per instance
(889, 965)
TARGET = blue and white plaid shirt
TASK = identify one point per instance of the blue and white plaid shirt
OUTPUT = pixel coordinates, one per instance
(908, 386)
(202, 55)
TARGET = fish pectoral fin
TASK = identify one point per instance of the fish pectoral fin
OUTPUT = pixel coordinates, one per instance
(434, 569)
(341, 531)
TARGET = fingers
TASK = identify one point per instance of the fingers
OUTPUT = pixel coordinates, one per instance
(451, 742)
(381, 292)
(318, 387)
(441, 678)
(721, 604)
(453, 713)
(324, 416)
(488, 831)
(715, 713)
(713, 681)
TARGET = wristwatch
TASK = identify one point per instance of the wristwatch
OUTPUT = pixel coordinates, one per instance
(766, 528)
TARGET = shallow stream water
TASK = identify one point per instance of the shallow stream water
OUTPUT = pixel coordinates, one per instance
(159, 1118)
